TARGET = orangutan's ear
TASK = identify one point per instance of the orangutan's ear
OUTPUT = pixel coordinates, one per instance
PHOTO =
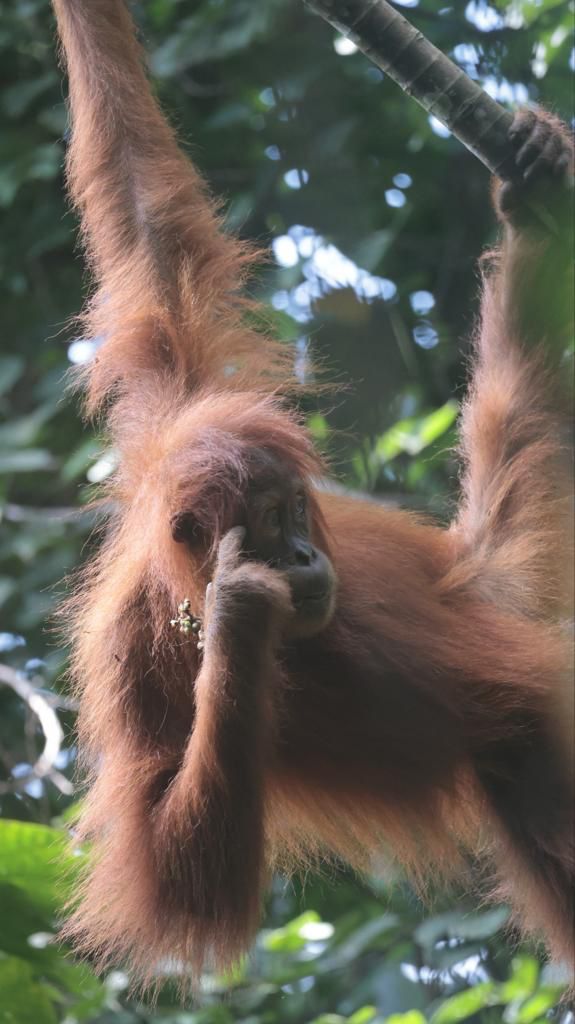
(187, 530)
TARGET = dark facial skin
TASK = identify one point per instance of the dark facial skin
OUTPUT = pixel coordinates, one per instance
(277, 522)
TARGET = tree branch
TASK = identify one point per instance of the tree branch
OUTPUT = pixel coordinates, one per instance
(44, 767)
(426, 74)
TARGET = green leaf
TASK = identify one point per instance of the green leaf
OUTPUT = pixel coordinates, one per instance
(34, 857)
(523, 980)
(465, 1004)
(537, 1005)
(289, 939)
(436, 424)
(200, 39)
(318, 427)
(25, 933)
(22, 999)
(235, 974)
(416, 433)
(411, 1017)
(364, 1015)
(21, 917)
(85, 993)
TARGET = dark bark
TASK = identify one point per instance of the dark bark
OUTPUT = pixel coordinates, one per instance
(426, 74)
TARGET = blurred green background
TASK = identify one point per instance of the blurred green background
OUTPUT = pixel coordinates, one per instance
(375, 218)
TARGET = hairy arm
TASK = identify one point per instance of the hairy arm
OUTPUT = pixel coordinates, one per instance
(514, 521)
(168, 279)
(515, 525)
(208, 828)
(178, 821)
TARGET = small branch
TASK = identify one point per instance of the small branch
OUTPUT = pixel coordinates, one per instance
(44, 767)
(426, 74)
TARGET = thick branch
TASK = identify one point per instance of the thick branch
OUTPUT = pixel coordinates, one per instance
(426, 74)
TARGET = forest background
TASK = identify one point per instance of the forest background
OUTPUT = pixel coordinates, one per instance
(374, 218)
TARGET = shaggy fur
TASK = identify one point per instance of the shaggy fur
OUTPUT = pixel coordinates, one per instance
(427, 713)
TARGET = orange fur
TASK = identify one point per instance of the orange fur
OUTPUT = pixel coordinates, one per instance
(428, 703)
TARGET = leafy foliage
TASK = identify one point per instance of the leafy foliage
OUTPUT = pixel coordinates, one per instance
(375, 220)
